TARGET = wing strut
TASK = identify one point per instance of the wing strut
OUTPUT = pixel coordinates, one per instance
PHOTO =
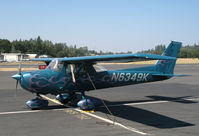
(114, 120)
(72, 73)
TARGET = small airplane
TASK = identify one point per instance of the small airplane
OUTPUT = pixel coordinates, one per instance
(64, 77)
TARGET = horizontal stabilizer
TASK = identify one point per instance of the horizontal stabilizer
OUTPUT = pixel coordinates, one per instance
(169, 75)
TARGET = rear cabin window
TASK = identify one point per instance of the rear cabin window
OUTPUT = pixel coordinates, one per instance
(99, 68)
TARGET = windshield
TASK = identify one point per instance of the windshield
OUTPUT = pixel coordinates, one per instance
(55, 65)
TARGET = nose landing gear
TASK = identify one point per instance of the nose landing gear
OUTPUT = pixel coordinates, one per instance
(37, 103)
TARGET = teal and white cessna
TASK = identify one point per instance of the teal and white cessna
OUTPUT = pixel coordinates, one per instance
(64, 77)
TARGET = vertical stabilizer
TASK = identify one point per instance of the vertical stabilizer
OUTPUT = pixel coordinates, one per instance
(167, 66)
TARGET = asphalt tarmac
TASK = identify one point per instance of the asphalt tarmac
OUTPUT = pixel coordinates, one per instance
(161, 108)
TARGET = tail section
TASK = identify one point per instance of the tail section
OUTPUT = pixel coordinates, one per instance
(167, 66)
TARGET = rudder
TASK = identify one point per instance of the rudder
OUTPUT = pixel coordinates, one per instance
(167, 66)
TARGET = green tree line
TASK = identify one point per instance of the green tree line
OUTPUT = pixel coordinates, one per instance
(187, 51)
(40, 47)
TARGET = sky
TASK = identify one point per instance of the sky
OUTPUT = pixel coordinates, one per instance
(107, 25)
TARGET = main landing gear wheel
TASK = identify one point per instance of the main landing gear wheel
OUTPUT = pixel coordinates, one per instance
(85, 104)
(37, 103)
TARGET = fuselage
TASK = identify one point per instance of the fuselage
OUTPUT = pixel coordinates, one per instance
(54, 82)
(65, 76)
(78, 73)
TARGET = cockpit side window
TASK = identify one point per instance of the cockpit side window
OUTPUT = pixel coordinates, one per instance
(68, 69)
(75, 68)
(80, 70)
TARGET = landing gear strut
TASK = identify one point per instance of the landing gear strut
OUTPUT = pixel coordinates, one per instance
(66, 97)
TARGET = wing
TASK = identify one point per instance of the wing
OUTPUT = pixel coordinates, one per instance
(93, 59)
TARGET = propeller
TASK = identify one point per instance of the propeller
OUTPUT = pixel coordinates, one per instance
(19, 72)
(18, 75)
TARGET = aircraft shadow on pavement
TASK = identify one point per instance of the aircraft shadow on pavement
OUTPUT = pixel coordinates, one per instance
(146, 117)
(142, 116)
(172, 99)
(135, 114)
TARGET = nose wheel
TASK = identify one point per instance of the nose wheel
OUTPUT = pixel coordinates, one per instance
(37, 103)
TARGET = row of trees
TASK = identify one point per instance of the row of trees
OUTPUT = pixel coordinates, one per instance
(39, 47)
(187, 51)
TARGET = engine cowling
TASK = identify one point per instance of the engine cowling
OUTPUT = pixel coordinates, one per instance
(36, 103)
(86, 104)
